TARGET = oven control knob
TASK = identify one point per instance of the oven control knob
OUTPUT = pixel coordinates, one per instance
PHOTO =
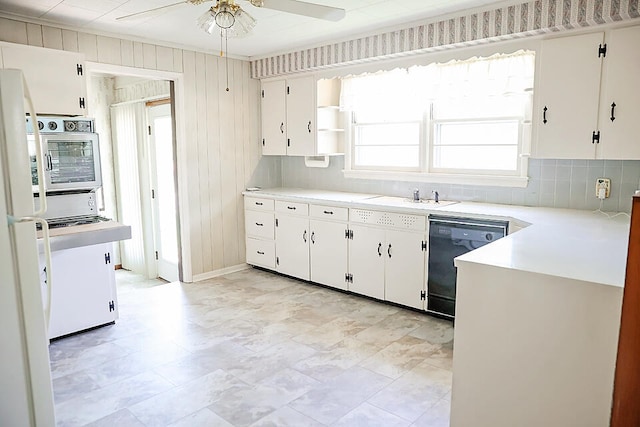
(40, 125)
(489, 237)
(69, 126)
(52, 125)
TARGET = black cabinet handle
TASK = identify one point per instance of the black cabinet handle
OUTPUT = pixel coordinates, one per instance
(293, 208)
(259, 203)
(282, 127)
(379, 247)
(313, 237)
(259, 224)
(328, 212)
(260, 253)
(309, 126)
(304, 236)
(544, 115)
(613, 108)
(389, 250)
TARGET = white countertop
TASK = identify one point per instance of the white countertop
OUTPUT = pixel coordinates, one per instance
(574, 244)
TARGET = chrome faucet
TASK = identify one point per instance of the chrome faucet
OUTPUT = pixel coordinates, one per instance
(436, 196)
(416, 195)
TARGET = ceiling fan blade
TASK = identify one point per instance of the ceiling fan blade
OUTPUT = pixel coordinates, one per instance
(150, 12)
(306, 9)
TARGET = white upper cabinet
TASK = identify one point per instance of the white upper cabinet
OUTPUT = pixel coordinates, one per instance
(274, 117)
(581, 78)
(301, 117)
(55, 78)
(620, 98)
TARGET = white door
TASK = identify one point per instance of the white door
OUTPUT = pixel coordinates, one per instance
(405, 269)
(366, 261)
(328, 253)
(301, 113)
(163, 191)
(274, 132)
(292, 246)
(619, 137)
(568, 90)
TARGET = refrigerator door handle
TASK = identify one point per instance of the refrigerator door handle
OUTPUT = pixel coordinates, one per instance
(39, 155)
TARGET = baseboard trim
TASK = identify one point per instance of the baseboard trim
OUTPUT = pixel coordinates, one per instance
(118, 267)
(220, 272)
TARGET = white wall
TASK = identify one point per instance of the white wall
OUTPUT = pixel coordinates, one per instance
(222, 132)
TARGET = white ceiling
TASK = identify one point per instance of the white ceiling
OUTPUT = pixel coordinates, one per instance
(275, 31)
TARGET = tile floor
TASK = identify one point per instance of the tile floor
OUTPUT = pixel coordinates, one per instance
(253, 349)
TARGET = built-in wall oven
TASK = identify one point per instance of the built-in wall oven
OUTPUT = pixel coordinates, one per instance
(450, 237)
(71, 152)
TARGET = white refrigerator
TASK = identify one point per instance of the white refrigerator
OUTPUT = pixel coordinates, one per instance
(26, 396)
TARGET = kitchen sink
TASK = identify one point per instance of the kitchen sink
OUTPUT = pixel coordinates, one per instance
(404, 201)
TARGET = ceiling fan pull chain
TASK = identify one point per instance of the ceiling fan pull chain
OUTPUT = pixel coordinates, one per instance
(226, 59)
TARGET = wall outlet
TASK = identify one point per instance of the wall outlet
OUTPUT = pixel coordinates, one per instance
(603, 188)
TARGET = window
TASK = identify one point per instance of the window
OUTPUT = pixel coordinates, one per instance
(469, 118)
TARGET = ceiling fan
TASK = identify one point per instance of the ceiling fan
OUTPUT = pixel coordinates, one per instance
(226, 13)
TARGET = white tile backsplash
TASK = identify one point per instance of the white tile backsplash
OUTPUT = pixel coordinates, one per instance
(552, 183)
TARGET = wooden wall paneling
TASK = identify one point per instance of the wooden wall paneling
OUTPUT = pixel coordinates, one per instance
(215, 173)
(228, 166)
(164, 57)
(191, 134)
(256, 134)
(149, 59)
(88, 44)
(13, 31)
(240, 133)
(247, 124)
(70, 40)
(626, 388)
(138, 53)
(34, 35)
(202, 145)
(52, 37)
(126, 53)
(109, 50)
(177, 60)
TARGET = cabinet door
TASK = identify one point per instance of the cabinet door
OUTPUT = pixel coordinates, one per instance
(274, 132)
(366, 261)
(405, 269)
(292, 246)
(301, 113)
(54, 83)
(83, 289)
(619, 137)
(328, 253)
(568, 88)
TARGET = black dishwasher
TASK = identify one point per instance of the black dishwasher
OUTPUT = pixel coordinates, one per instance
(450, 237)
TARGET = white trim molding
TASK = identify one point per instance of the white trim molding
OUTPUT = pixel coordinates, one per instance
(221, 272)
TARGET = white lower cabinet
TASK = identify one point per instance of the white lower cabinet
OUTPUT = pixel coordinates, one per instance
(83, 293)
(328, 254)
(366, 261)
(405, 268)
(292, 245)
(261, 253)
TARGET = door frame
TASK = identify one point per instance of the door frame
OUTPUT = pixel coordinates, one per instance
(178, 95)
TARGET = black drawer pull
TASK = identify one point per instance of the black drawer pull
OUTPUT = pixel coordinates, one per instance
(259, 224)
(259, 203)
(293, 208)
(260, 253)
(329, 212)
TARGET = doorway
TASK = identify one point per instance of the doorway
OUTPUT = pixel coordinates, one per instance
(163, 195)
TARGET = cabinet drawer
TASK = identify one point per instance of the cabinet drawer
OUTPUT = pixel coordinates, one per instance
(292, 208)
(389, 219)
(261, 253)
(258, 204)
(259, 224)
(329, 212)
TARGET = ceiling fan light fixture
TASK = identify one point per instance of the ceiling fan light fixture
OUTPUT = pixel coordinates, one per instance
(207, 21)
(225, 18)
(243, 25)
